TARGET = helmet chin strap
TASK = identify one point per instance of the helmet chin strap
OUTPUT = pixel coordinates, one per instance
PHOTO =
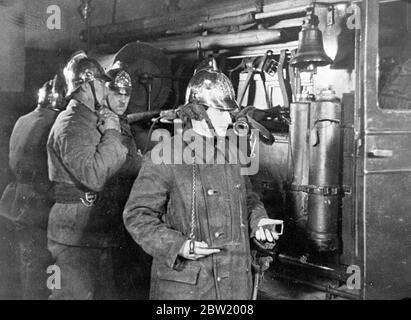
(210, 125)
(97, 105)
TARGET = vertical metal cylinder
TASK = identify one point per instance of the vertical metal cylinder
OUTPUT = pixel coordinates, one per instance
(324, 188)
(299, 162)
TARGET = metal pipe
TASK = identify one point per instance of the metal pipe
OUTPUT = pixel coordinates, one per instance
(156, 26)
(261, 50)
(276, 13)
(320, 287)
(214, 23)
(230, 40)
(288, 23)
(299, 164)
(280, 8)
(328, 272)
(233, 13)
(142, 116)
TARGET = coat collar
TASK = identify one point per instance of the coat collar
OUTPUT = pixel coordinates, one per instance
(80, 107)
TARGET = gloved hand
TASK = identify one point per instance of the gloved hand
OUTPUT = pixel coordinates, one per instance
(266, 230)
(201, 250)
(108, 120)
(261, 264)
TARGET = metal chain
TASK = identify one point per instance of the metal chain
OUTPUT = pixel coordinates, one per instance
(193, 209)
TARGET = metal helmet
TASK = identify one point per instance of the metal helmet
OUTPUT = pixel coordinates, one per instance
(120, 80)
(59, 92)
(51, 94)
(211, 88)
(81, 69)
(45, 94)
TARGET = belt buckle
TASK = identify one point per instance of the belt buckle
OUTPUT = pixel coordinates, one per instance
(91, 197)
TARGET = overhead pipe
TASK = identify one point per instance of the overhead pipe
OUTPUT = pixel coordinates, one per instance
(144, 28)
(219, 41)
(258, 51)
(283, 12)
(288, 23)
(136, 29)
(281, 8)
(233, 14)
(214, 23)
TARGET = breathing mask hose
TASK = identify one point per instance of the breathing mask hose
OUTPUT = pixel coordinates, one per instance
(150, 132)
(244, 122)
(241, 126)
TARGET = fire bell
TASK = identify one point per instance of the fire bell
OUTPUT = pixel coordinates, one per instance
(310, 53)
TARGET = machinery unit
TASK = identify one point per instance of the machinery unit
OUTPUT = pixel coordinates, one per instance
(324, 179)
(314, 194)
(299, 162)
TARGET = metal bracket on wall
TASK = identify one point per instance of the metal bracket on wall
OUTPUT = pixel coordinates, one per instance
(326, 191)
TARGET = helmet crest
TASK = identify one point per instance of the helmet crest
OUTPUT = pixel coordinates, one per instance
(120, 79)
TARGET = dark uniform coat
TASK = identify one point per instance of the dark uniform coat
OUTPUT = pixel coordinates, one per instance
(82, 156)
(115, 193)
(28, 200)
(158, 216)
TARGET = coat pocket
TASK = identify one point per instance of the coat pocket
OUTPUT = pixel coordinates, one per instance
(188, 274)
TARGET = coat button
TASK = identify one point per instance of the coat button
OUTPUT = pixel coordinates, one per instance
(237, 186)
(211, 192)
(218, 279)
(217, 234)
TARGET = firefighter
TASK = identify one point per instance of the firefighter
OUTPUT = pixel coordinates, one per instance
(130, 263)
(86, 149)
(196, 219)
(27, 201)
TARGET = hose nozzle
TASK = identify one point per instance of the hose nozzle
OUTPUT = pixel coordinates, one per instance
(241, 126)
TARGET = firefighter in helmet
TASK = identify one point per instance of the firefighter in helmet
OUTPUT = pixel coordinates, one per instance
(86, 150)
(130, 263)
(196, 219)
(27, 200)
